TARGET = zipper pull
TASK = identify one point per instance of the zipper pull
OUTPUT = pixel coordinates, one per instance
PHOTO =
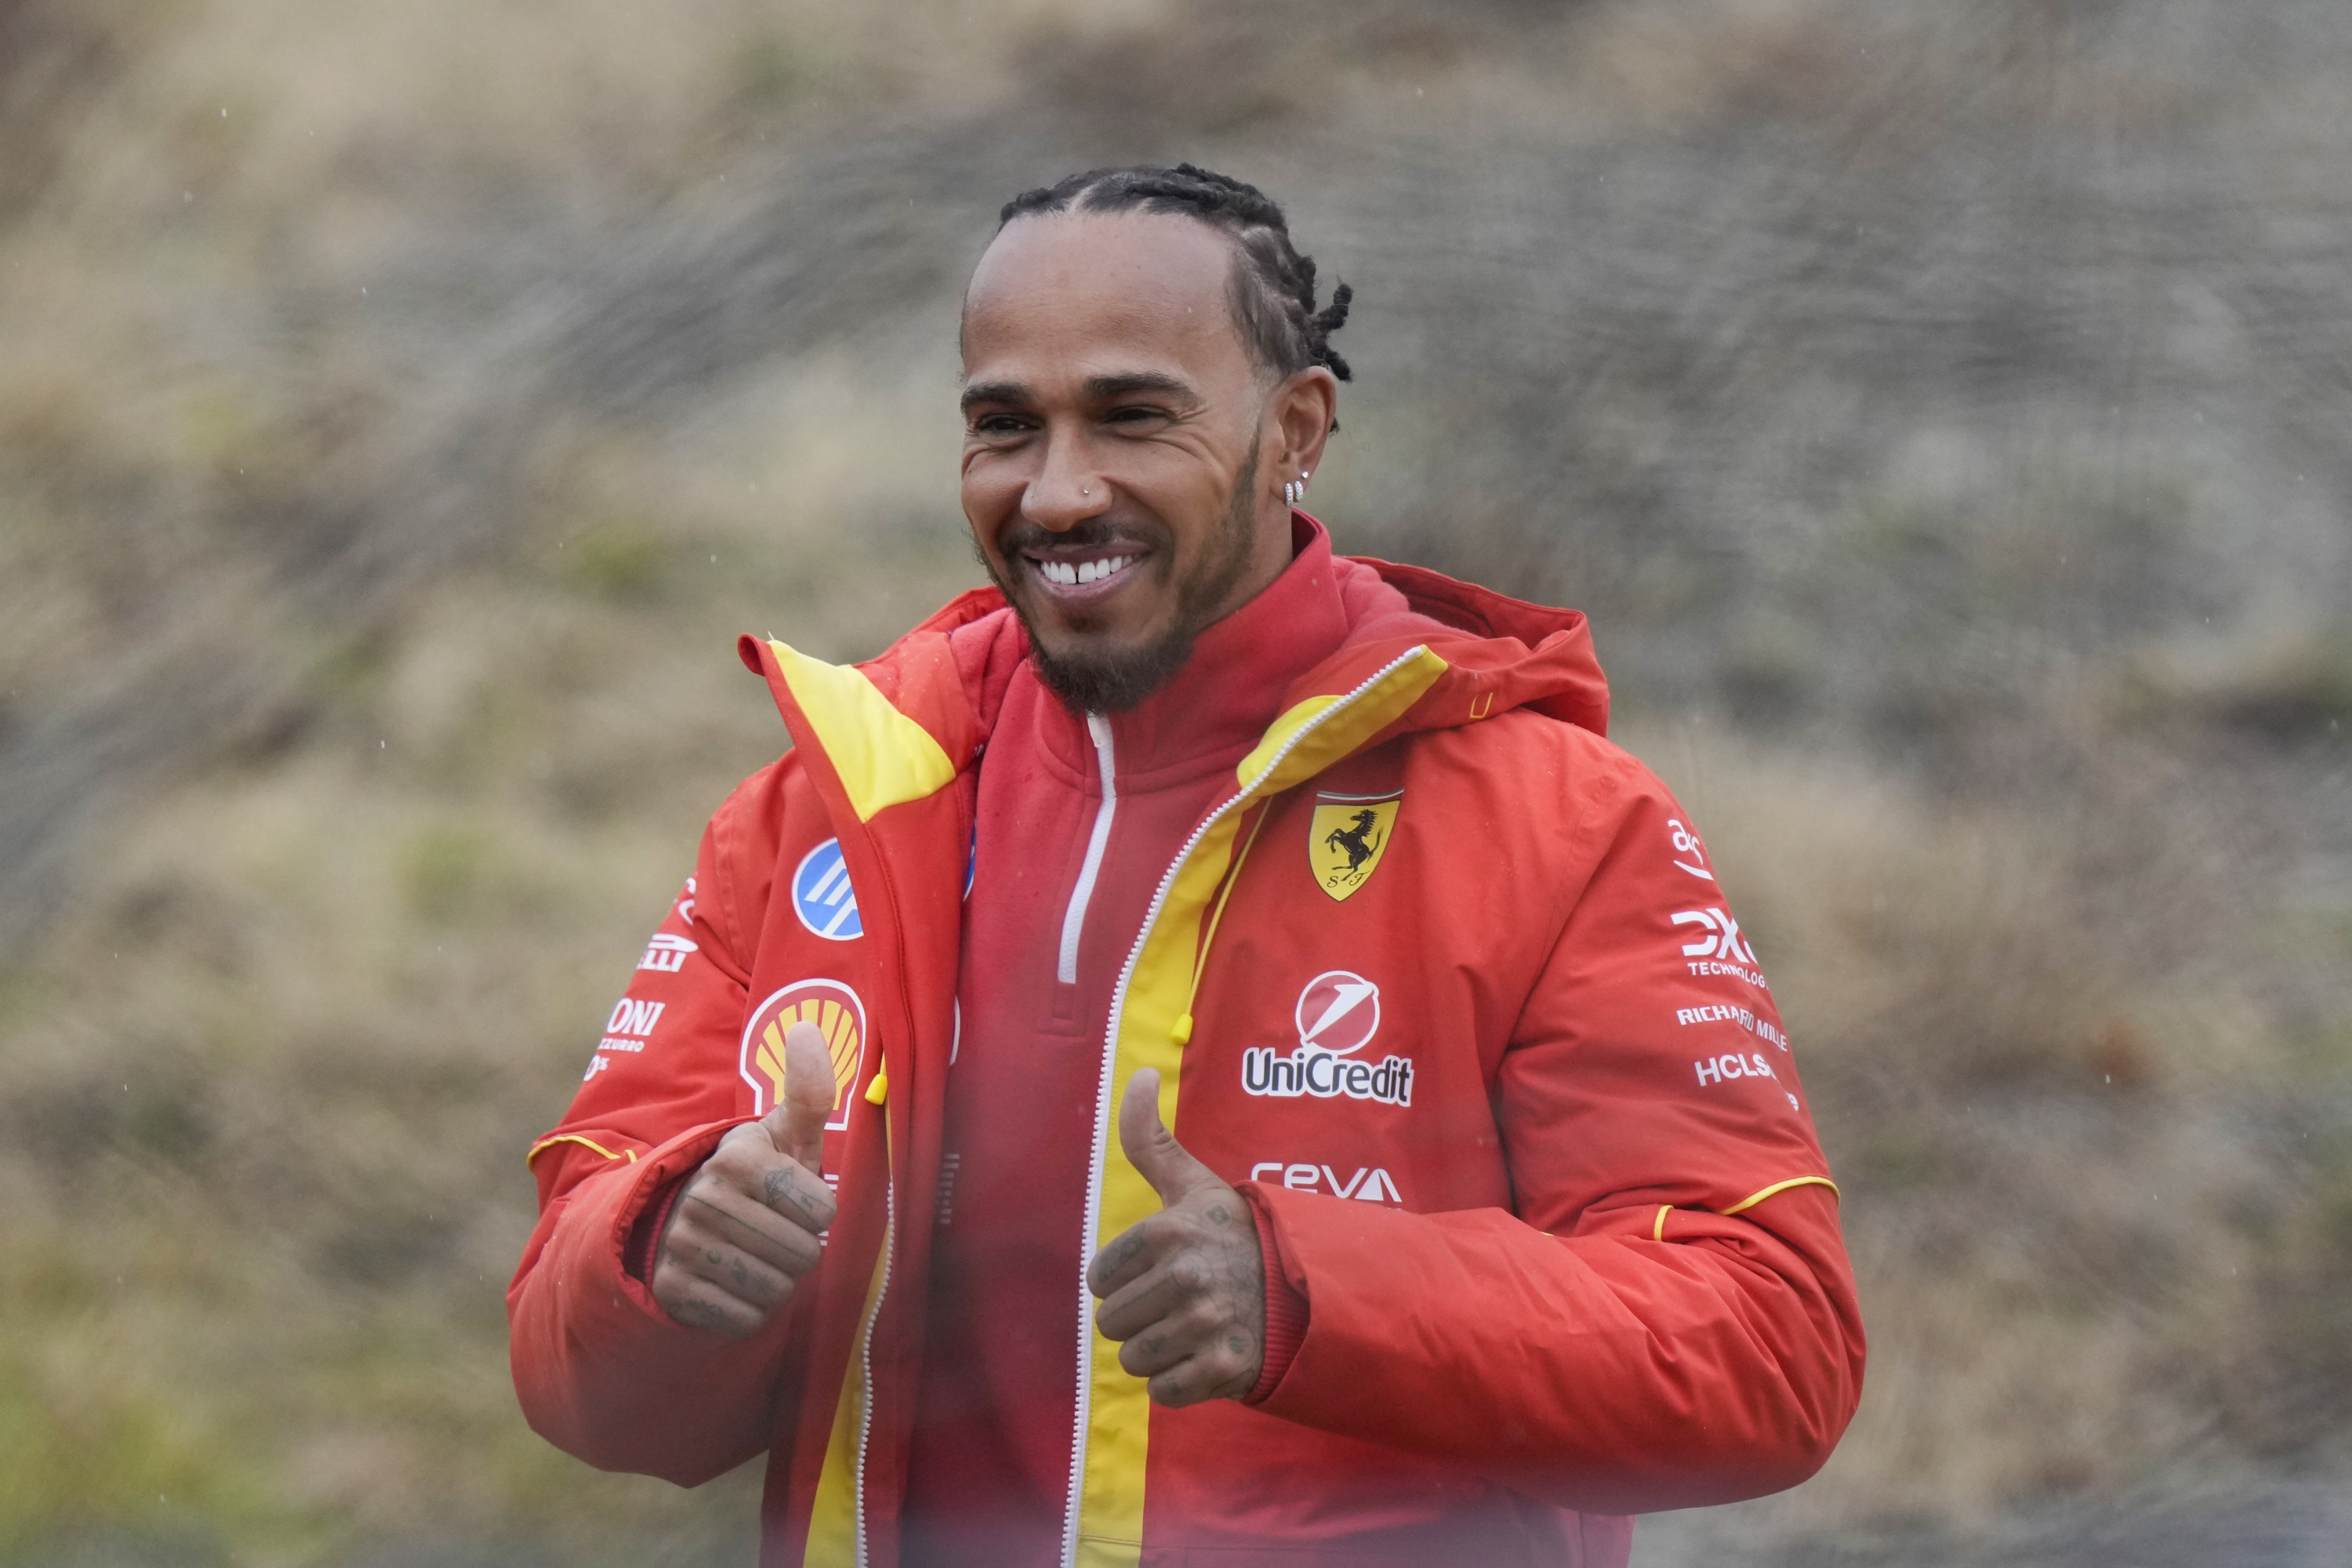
(879, 1090)
(1182, 1033)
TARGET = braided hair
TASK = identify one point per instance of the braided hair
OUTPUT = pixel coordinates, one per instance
(1273, 285)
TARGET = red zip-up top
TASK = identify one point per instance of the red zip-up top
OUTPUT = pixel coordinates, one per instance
(1440, 980)
(1078, 816)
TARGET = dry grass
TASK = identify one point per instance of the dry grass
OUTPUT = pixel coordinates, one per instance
(365, 663)
(2045, 1047)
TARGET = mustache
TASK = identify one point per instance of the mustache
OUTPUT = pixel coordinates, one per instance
(1094, 532)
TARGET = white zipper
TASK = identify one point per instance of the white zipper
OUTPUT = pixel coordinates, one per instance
(1110, 1064)
(865, 1358)
(1073, 919)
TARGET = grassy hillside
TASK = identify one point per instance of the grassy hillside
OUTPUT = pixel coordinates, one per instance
(1937, 407)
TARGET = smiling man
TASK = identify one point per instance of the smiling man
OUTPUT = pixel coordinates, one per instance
(1201, 1053)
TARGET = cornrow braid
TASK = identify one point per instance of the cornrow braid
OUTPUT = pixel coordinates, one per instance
(1272, 286)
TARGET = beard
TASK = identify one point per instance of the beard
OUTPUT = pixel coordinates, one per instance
(1115, 680)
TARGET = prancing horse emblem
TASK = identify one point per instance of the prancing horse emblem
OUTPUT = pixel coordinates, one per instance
(1346, 837)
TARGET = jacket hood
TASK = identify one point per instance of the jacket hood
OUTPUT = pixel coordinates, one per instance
(1501, 653)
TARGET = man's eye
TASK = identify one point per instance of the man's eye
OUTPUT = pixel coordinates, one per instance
(999, 425)
(1135, 413)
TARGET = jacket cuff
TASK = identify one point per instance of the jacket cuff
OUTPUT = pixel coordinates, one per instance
(645, 1233)
(617, 1245)
(1286, 1308)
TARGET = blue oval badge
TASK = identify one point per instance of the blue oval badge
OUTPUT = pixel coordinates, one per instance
(821, 894)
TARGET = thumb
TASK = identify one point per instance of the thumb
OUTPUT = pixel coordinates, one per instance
(1151, 1149)
(796, 1126)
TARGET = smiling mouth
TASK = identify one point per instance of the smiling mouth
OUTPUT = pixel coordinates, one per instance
(1082, 573)
(1081, 576)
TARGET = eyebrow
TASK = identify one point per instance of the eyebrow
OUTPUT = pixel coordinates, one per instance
(995, 392)
(1104, 388)
(1097, 389)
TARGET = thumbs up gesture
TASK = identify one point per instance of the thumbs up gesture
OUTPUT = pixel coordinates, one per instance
(744, 1230)
(1184, 1290)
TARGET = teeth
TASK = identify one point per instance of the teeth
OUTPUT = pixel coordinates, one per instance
(1083, 571)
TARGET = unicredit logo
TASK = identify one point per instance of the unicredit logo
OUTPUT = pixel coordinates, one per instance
(1337, 1013)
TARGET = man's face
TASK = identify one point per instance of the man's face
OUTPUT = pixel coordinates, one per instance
(1114, 423)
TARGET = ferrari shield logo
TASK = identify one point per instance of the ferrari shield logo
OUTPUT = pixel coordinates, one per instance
(1346, 837)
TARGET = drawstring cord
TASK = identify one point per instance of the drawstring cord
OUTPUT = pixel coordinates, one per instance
(1183, 1032)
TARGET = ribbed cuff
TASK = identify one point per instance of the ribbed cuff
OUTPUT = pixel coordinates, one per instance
(644, 1237)
(1286, 1310)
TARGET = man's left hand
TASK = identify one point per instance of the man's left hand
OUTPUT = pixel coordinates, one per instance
(1184, 1290)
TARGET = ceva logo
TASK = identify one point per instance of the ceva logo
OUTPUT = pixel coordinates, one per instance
(1337, 1015)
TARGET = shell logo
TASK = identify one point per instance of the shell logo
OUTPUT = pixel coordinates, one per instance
(836, 1010)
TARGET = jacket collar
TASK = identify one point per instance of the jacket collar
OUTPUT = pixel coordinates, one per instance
(952, 673)
(1216, 706)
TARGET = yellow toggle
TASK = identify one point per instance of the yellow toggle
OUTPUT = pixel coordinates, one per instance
(1182, 1033)
(878, 1090)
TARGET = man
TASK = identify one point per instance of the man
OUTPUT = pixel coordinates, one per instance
(1200, 1053)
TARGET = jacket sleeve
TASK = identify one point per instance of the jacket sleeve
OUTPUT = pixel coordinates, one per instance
(600, 1370)
(1667, 1319)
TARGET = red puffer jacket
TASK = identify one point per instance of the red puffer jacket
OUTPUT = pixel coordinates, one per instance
(1600, 1271)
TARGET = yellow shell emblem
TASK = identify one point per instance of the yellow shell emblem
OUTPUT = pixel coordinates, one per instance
(1346, 836)
(834, 1008)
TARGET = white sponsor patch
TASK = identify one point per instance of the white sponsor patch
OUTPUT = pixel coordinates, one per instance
(1337, 1015)
(1720, 948)
(1724, 1012)
(1716, 1069)
(627, 1029)
(635, 1018)
(1370, 1183)
(1339, 1011)
(1719, 936)
(1689, 849)
(822, 897)
(665, 953)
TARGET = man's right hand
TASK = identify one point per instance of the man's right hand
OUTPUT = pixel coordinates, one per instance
(745, 1228)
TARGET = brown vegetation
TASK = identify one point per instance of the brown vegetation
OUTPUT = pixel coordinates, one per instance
(1938, 407)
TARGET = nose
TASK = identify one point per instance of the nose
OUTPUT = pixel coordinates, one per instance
(1068, 488)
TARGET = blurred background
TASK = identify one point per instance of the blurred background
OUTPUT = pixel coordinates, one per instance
(1940, 406)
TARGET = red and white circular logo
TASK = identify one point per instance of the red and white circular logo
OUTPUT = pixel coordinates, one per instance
(1338, 1012)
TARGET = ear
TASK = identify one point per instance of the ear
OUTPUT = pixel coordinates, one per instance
(1303, 410)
